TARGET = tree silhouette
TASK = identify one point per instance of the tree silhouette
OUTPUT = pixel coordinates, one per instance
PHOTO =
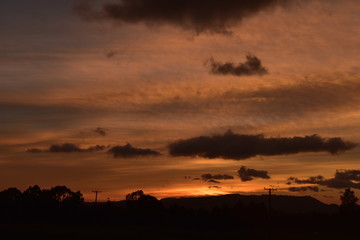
(135, 195)
(348, 199)
(348, 206)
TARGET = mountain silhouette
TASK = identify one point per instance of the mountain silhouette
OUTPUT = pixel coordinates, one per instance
(280, 203)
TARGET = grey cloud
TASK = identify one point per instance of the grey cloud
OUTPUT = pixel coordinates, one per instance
(213, 181)
(303, 189)
(238, 146)
(34, 150)
(211, 16)
(252, 66)
(352, 175)
(111, 54)
(96, 148)
(67, 148)
(128, 151)
(341, 179)
(100, 131)
(248, 174)
(209, 176)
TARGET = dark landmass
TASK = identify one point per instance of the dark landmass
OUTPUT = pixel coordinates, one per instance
(59, 213)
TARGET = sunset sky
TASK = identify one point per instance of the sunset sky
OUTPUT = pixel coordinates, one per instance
(124, 95)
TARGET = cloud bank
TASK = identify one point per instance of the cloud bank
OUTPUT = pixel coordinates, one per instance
(342, 179)
(252, 66)
(248, 174)
(238, 146)
(212, 16)
(128, 151)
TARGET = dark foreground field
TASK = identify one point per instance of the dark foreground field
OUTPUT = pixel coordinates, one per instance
(65, 232)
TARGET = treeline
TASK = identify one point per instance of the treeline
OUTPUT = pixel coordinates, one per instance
(40, 205)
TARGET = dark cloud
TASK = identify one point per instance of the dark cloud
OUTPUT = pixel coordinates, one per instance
(67, 148)
(342, 179)
(303, 189)
(34, 150)
(96, 148)
(111, 54)
(212, 16)
(208, 176)
(100, 131)
(213, 181)
(214, 187)
(237, 146)
(351, 175)
(315, 179)
(252, 66)
(128, 151)
(248, 174)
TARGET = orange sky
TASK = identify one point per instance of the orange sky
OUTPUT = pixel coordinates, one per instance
(148, 84)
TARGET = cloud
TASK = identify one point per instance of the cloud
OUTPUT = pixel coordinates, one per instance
(252, 66)
(111, 54)
(100, 131)
(67, 148)
(211, 16)
(96, 148)
(214, 187)
(248, 174)
(351, 175)
(208, 176)
(34, 150)
(280, 102)
(128, 151)
(303, 189)
(213, 181)
(341, 179)
(237, 146)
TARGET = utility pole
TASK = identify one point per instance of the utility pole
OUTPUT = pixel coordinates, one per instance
(269, 230)
(270, 190)
(96, 194)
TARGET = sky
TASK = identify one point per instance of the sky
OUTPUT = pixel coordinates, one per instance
(180, 98)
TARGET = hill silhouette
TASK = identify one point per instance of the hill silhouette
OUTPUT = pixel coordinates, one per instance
(281, 203)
